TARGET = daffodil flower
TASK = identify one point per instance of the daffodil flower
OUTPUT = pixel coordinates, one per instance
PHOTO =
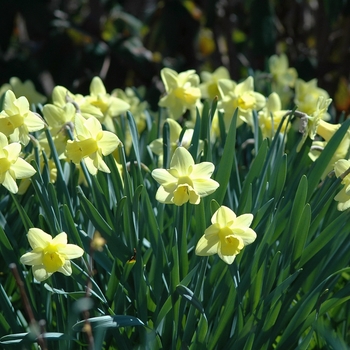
(12, 167)
(241, 96)
(306, 96)
(227, 235)
(90, 144)
(311, 122)
(209, 86)
(109, 105)
(175, 130)
(271, 115)
(343, 197)
(184, 181)
(182, 91)
(49, 255)
(282, 74)
(16, 120)
(26, 89)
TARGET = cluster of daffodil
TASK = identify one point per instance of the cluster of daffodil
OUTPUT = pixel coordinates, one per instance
(83, 130)
(82, 115)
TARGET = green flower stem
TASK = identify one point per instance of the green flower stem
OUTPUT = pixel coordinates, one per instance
(182, 234)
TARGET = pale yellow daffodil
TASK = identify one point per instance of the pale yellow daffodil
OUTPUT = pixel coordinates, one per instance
(241, 96)
(16, 120)
(175, 130)
(343, 197)
(90, 144)
(310, 123)
(58, 119)
(281, 73)
(271, 115)
(26, 89)
(307, 95)
(50, 255)
(184, 181)
(182, 92)
(227, 235)
(12, 166)
(61, 96)
(209, 86)
(137, 107)
(109, 105)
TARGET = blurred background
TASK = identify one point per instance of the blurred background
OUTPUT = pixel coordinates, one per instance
(127, 43)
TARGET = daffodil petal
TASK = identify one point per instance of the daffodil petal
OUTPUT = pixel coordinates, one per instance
(207, 245)
(108, 143)
(204, 187)
(163, 196)
(34, 122)
(38, 238)
(244, 220)
(22, 169)
(9, 183)
(202, 170)
(182, 161)
(66, 269)
(40, 273)
(223, 216)
(31, 258)
(61, 238)
(70, 251)
(97, 86)
(163, 177)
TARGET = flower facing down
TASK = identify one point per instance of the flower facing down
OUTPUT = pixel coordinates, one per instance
(343, 197)
(184, 181)
(12, 166)
(49, 254)
(227, 235)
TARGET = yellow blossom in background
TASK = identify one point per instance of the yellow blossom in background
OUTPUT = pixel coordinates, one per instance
(307, 95)
(206, 41)
(26, 89)
(281, 73)
(175, 130)
(90, 144)
(310, 123)
(182, 92)
(12, 166)
(136, 106)
(209, 86)
(241, 96)
(343, 197)
(109, 105)
(138, 110)
(271, 115)
(184, 181)
(49, 255)
(16, 120)
(227, 235)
